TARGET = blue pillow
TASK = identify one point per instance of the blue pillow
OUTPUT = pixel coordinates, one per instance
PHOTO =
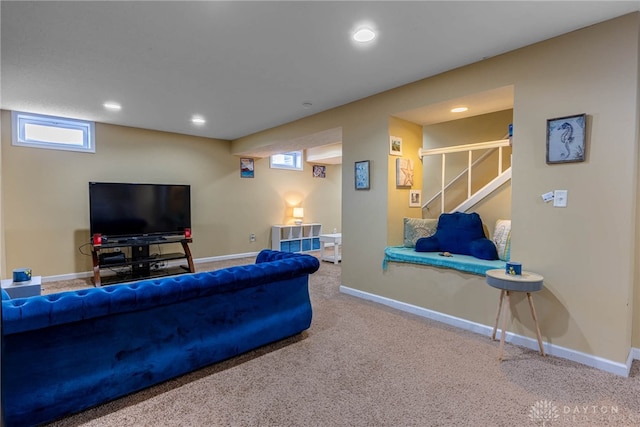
(428, 244)
(484, 249)
(457, 230)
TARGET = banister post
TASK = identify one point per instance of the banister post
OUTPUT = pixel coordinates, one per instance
(442, 185)
(469, 173)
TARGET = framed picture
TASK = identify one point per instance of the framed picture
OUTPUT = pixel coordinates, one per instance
(362, 175)
(404, 173)
(246, 168)
(319, 171)
(566, 139)
(415, 198)
(395, 146)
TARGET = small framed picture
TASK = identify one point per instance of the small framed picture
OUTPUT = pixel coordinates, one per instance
(415, 198)
(362, 175)
(395, 146)
(319, 171)
(246, 168)
(404, 173)
(566, 139)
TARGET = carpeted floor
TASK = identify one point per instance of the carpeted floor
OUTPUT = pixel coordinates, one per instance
(363, 364)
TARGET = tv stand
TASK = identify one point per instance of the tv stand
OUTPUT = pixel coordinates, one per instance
(138, 263)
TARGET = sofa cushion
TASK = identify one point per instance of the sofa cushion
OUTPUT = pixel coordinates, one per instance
(416, 228)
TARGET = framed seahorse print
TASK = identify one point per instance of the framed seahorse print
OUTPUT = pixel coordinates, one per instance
(566, 139)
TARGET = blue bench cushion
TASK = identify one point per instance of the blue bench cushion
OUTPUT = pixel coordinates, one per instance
(464, 263)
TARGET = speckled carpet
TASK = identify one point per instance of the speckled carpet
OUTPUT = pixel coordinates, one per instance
(363, 364)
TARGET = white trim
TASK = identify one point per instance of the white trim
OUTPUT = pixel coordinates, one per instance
(225, 257)
(70, 276)
(484, 191)
(85, 274)
(617, 368)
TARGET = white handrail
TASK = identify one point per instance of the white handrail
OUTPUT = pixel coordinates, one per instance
(494, 184)
(465, 147)
(499, 144)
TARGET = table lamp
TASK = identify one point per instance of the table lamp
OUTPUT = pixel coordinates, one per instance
(298, 214)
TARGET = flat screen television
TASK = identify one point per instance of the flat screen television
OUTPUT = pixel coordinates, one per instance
(131, 210)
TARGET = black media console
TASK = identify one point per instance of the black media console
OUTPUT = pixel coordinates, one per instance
(131, 259)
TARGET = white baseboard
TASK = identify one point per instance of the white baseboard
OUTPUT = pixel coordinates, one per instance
(225, 257)
(617, 368)
(85, 274)
(634, 354)
(70, 276)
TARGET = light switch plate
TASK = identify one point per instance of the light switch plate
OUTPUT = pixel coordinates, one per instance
(547, 197)
(560, 198)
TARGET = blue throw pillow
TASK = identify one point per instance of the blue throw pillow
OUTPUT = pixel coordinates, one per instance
(457, 230)
(484, 249)
(428, 244)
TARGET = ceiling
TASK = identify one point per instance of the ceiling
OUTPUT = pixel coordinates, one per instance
(250, 66)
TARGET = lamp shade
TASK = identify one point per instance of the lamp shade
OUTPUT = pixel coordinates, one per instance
(298, 212)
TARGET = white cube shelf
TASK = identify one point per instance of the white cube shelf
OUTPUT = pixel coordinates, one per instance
(296, 238)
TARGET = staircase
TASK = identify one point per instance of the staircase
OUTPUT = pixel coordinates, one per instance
(470, 196)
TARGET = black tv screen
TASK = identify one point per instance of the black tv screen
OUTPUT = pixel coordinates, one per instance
(127, 209)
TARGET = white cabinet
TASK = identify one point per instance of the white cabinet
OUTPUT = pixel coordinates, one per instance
(296, 238)
(333, 241)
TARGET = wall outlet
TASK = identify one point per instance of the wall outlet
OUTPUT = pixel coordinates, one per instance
(560, 198)
(252, 237)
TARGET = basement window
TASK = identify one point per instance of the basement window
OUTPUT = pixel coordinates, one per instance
(56, 133)
(291, 160)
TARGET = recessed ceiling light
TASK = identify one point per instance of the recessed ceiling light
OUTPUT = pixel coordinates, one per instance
(113, 106)
(198, 120)
(459, 109)
(306, 105)
(364, 35)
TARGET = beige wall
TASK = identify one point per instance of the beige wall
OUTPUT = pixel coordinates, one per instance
(46, 206)
(586, 304)
(398, 204)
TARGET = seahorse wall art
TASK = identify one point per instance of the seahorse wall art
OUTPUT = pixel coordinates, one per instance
(566, 139)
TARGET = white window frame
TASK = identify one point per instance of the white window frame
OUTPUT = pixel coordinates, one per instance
(20, 120)
(298, 161)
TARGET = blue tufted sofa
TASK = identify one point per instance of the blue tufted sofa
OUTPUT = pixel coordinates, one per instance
(65, 352)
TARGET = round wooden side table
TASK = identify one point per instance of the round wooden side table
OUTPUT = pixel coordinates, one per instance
(526, 282)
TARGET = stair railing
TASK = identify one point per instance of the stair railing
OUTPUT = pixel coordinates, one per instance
(470, 148)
